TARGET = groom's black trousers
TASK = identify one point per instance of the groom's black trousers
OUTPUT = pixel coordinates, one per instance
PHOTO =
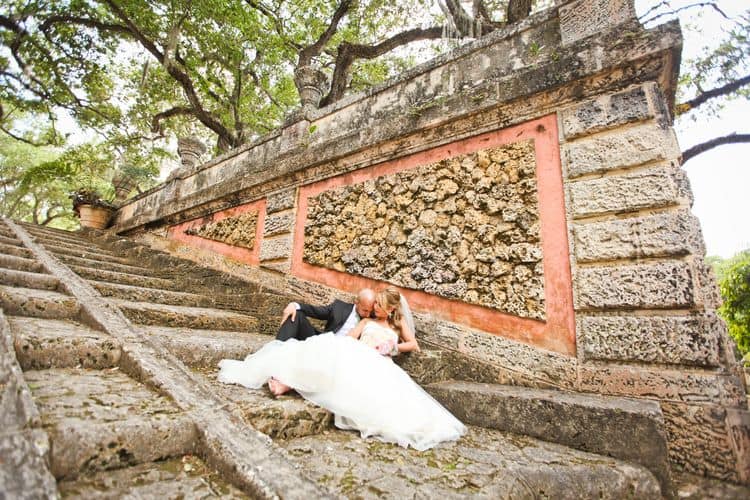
(299, 329)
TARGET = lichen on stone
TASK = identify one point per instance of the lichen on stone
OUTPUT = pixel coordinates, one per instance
(463, 228)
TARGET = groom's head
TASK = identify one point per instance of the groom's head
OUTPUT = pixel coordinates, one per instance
(364, 302)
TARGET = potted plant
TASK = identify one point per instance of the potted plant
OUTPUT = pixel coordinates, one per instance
(91, 208)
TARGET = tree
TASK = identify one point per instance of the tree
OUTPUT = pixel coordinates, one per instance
(228, 65)
(719, 75)
(735, 291)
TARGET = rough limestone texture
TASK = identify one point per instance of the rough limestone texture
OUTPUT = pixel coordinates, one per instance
(621, 148)
(238, 231)
(463, 228)
(588, 17)
(277, 247)
(687, 340)
(184, 477)
(282, 200)
(278, 223)
(483, 464)
(662, 285)
(627, 429)
(608, 111)
(659, 235)
(657, 187)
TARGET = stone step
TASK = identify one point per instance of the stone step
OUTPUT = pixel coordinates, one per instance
(482, 464)
(16, 251)
(44, 231)
(91, 273)
(627, 429)
(48, 343)
(86, 254)
(20, 264)
(102, 419)
(38, 303)
(185, 477)
(201, 318)
(77, 245)
(8, 240)
(155, 295)
(29, 280)
(6, 231)
(205, 348)
(107, 266)
(285, 417)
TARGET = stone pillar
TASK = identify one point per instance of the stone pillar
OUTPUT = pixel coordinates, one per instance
(582, 18)
(278, 231)
(645, 300)
(190, 150)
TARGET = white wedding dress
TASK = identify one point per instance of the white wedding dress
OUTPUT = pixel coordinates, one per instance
(363, 389)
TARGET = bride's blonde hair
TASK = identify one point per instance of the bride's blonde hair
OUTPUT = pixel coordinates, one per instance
(391, 298)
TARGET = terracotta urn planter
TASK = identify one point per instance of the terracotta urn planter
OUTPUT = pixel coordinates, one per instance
(93, 216)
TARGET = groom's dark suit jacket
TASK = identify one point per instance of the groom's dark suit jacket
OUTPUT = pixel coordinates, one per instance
(334, 314)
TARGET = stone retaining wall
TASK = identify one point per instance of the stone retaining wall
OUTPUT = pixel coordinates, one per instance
(571, 262)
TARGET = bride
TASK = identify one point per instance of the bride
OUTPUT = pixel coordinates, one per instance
(354, 378)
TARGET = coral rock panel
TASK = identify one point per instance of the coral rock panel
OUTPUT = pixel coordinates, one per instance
(237, 231)
(463, 228)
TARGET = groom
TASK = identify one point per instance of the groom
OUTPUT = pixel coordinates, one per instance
(340, 316)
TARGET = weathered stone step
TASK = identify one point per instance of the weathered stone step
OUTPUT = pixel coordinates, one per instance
(156, 295)
(77, 245)
(20, 264)
(16, 250)
(6, 240)
(482, 464)
(107, 266)
(123, 278)
(43, 231)
(205, 348)
(48, 343)
(28, 279)
(285, 417)
(185, 477)
(628, 429)
(38, 303)
(85, 254)
(6, 231)
(102, 419)
(186, 317)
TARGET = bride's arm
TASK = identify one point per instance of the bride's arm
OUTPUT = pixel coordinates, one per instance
(356, 332)
(408, 340)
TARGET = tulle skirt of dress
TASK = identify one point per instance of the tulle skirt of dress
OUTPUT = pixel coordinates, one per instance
(364, 390)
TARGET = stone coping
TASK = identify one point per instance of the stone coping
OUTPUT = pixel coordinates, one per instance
(290, 149)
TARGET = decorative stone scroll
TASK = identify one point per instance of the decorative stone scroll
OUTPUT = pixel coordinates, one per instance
(463, 228)
(237, 231)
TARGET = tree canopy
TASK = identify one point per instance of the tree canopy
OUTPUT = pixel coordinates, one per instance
(134, 74)
(734, 282)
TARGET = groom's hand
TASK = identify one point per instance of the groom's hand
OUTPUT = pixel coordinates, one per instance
(289, 311)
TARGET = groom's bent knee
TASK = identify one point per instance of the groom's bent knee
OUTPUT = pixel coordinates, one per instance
(298, 329)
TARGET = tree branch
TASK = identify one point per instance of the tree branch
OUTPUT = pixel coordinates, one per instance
(348, 52)
(701, 98)
(306, 54)
(83, 21)
(733, 138)
(157, 118)
(30, 142)
(675, 11)
(226, 138)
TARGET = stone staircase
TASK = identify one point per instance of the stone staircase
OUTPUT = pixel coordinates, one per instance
(108, 378)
